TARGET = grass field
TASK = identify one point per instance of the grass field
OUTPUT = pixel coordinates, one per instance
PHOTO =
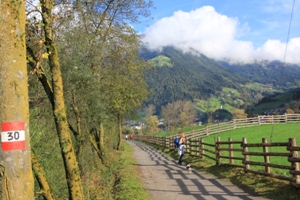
(161, 61)
(278, 133)
(273, 133)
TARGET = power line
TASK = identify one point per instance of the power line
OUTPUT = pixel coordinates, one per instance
(285, 52)
(288, 36)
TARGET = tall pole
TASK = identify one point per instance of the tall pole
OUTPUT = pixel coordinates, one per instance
(16, 178)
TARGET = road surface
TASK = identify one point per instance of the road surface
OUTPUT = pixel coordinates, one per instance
(166, 180)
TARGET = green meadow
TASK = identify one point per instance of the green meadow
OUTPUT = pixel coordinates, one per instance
(273, 133)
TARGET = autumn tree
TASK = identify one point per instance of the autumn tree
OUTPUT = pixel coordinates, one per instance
(294, 106)
(289, 111)
(150, 110)
(239, 114)
(151, 120)
(178, 113)
(16, 178)
(187, 113)
(170, 114)
(152, 124)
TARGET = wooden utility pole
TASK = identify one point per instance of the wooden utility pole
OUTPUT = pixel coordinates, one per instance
(16, 179)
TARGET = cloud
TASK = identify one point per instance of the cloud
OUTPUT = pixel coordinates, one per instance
(216, 36)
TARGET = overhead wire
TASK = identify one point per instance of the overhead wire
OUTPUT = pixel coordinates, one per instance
(284, 57)
(288, 37)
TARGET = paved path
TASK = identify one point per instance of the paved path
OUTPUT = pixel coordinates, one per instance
(166, 180)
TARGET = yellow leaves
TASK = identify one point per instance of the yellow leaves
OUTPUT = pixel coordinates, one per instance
(39, 42)
(40, 25)
(239, 114)
(45, 55)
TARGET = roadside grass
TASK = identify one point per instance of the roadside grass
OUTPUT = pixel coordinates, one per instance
(130, 185)
(254, 184)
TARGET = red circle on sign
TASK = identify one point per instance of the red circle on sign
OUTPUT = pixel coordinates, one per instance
(12, 126)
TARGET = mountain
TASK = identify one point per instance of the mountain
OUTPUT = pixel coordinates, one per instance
(188, 76)
(276, 104)
(211, 84)
(276, 74)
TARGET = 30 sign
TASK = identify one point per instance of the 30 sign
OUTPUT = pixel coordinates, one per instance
(13, 136)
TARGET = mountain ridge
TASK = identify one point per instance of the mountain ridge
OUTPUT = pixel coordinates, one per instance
(194, 77)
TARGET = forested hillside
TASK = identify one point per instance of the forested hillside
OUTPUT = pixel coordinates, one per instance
(276, 74)
(188, 76)
(176, 75)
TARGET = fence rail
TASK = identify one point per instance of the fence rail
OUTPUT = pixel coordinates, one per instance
(243, 123)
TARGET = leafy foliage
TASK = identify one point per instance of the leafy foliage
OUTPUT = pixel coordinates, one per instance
(102, 81)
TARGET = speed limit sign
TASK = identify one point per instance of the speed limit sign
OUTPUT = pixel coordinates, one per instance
(13, 136)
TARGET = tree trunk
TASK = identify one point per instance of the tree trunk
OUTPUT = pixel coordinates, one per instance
(120, 131)
(41, 177)
(98, 151)
(16, 179)
(101, 137)
(78, 125)
(59, 109)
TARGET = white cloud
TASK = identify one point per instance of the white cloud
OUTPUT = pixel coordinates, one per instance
(216, 36)
(276, 50)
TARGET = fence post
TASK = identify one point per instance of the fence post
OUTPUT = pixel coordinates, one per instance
(197, 147)
(266, 158)
(206, 131)
(245, 150)
(295, 164)
(286, 118)
(230, 151)
(217, 147)
(188, 141)
(201, 148)
(234, 125)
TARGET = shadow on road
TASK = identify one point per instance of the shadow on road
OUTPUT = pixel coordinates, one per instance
(165, 179)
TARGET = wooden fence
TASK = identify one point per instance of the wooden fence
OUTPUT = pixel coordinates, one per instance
(226, 126)
(243, 123)
(238, 154)
(252, 157)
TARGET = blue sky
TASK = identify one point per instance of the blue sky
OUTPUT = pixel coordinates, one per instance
(232, 30)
